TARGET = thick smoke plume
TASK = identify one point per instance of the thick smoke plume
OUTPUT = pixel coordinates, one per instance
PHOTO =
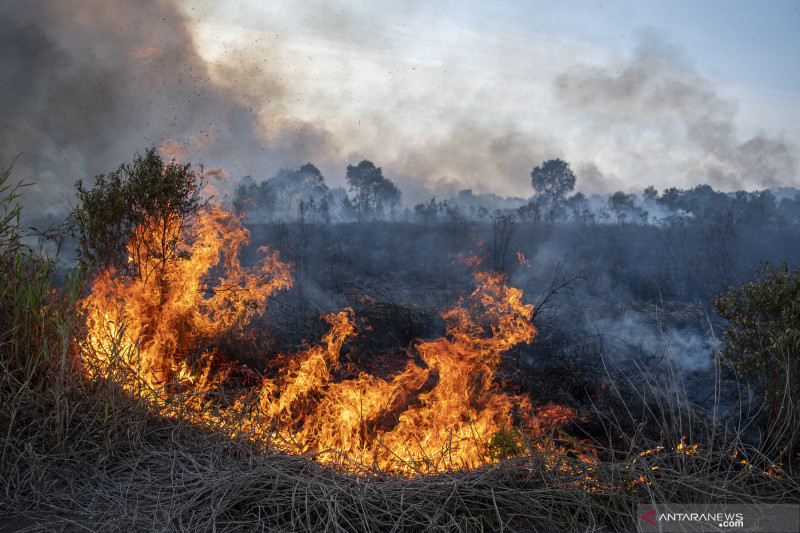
(657, 86)
(87, 83)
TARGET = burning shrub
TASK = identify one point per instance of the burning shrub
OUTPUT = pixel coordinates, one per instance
(136, 214)
(169, 284)
(762, 344)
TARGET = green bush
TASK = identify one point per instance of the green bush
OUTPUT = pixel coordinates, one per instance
(142, 207)
(761, 342)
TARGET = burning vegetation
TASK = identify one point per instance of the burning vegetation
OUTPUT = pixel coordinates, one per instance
(155, 323)
(154, 333)
(155, 326)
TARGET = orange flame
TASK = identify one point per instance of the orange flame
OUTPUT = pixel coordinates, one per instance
(151, 322)
(154, 330)
(434, 417)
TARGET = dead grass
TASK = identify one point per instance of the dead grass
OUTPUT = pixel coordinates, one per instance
(78, 455)
(128, 470)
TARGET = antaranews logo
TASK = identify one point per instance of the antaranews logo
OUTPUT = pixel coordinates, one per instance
(686, 518)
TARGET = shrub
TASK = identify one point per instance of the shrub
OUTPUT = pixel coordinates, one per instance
(142, 207)
(761, 342)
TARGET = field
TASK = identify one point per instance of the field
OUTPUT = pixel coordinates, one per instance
(404, 375)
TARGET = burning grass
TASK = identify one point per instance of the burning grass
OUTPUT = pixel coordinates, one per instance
(134, 419)
(155, 332)
(121, 468)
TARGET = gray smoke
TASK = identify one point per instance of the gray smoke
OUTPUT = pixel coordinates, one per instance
(659, 87)
(87, 83)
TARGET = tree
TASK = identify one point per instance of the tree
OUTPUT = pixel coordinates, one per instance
(760, 209)
(651, 193)
(553, 181)
(790, 209)
(258, 200)
(428, 212)
(373, 193)
(621, 204)
(135, 216)
(292, 186)
(578, 206)
(672, 198)
(704, 200)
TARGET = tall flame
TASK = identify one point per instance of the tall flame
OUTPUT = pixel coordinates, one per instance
(432, 417)
(154, 322)
(159, 325)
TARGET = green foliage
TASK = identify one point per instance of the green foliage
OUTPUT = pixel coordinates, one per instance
(761, 340)
(25, 279)
(505, 444)
(38, 321)
(10, 231)
(141, 207)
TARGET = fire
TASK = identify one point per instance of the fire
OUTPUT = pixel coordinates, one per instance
(434, 417)
(156, 331)
(150, 323)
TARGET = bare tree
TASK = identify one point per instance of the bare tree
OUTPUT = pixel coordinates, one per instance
(503, 227)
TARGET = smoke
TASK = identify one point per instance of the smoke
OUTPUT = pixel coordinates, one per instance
(670, 103)
(687, 349)
(85, 84)
(485, 158)
(592, 180)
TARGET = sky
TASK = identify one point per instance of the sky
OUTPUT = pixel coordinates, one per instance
(443, 96)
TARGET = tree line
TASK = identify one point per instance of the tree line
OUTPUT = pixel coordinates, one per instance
(302, 194)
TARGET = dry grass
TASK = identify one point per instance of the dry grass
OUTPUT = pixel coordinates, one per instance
(127, 470)
(83, 456)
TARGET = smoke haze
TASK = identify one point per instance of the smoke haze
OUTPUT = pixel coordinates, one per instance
(440, 107)
(659, 88)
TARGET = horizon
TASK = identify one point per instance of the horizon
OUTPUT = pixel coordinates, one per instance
(443, 97)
